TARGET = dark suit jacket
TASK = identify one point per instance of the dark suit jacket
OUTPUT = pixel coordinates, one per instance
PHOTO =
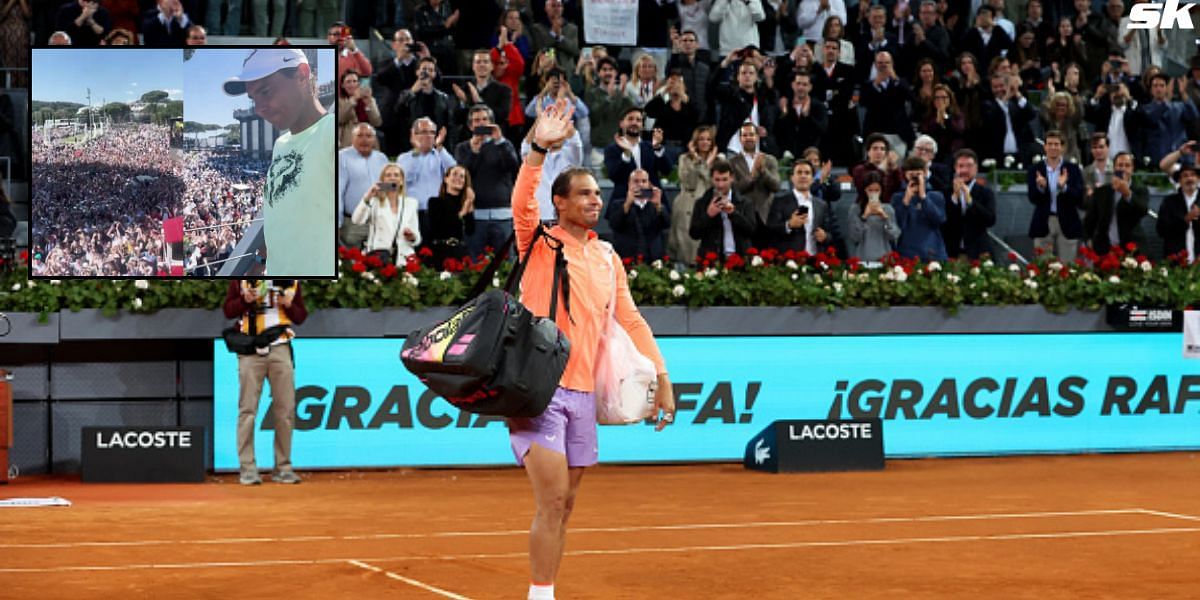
(795, 133)
(967, 233)
(885, 108)
(1099, 215)
(711, 232)
(782, 208)
(972, 42)
(836, 90)
(639, 232)
(156, 35)
(620, 169)
(993, 127)
(1070, 200)
(1099, 112)
(1172, 224)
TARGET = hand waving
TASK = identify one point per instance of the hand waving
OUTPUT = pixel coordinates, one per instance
(554, 123)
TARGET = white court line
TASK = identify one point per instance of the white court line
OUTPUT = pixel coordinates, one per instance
(633, 528)
(412, 582)
(452, 557)
(1169, 514)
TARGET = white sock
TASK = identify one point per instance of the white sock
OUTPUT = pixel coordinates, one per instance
(541, 592)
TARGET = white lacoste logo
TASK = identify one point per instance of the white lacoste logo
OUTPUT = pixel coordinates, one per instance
(761, 453)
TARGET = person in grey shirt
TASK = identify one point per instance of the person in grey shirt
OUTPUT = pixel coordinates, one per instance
(873, 231)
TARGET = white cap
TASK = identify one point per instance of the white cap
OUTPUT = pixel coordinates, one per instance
(264, 63)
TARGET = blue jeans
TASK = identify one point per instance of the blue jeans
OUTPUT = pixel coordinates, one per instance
(489, 233)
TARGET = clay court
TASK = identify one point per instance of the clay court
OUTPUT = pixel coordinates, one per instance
(1091, 526)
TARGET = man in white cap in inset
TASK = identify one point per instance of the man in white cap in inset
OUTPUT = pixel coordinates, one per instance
(298, 212)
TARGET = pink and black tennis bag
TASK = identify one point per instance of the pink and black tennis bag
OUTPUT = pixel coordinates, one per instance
(493, 356)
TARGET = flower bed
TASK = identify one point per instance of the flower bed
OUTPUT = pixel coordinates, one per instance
(766, 278)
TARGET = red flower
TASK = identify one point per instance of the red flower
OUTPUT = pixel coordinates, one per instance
(666, 259)
(752, 251)
(373, 261)
(452, 265)
(388, 271)
(1141, 258)
(770, 254)
(358, 267)
(355, 254)
(627, 261)
(854, 263)
(489, 250)
(425, 252)
(1036, 251)
(711, 256)
(24, 256)
(1131, 247)
(1063, 274)
(733, 261)
(1033, 269)
(1012, 256)
(412, 266)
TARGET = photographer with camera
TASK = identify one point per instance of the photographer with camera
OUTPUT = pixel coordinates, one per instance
(920, 213)
(492, 161)
(799, 219)
(425, 100)
(639, 221)
(391, 216)
(1113, 213)
(1114, 111)
(266, 306)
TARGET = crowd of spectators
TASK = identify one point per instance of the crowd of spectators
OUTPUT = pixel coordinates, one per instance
(861, 86)
(99, 205)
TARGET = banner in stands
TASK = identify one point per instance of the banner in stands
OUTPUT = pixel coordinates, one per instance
(610, 22)
(936, 394)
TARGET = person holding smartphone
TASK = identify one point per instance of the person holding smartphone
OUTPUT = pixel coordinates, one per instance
(1114, 211)
(639, 222)
(920, 213)
(391, 216)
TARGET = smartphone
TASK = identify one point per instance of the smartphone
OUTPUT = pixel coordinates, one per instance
(482, 130)
(645, 193)
(1119, 174)
(1115, 64)
(803, 210)
(585, 55)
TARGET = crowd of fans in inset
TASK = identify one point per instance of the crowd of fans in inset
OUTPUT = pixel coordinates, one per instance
(919, 101)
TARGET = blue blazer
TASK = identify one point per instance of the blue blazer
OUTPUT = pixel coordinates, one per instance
(1070, 200)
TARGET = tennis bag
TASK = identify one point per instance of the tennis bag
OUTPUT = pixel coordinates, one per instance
(494, 356)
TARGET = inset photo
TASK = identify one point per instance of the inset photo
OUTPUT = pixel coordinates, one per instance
(213, 162)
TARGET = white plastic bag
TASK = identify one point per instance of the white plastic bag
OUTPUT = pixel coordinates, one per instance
(626, 380)
(1191, 334)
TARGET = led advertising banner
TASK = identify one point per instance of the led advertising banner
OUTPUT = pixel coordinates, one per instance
(937, 395)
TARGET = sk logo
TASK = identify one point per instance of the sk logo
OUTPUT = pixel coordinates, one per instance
(1168, 15)
(761, 453)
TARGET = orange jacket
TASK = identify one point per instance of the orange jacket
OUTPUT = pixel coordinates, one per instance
(590, 267)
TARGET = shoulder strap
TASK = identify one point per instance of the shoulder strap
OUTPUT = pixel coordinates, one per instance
(561, 276)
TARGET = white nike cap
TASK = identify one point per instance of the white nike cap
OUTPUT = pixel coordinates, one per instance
(264, 63)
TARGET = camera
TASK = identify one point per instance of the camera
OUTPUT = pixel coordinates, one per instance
(1115, 64)
(1119, 174)
(803, 210)
(645, 193)
(413, 48)
(389, 186)
(482, 130)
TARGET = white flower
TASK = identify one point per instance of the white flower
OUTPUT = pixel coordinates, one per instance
(1114, 279)
(137, 302)
(658, 264)
(1020, 166)
(988, 263)
(901, 276)
(1146, 266)
(141, 284)
(1162, 272)
(952, 278)
(633, 273)
(988, 163)
(1129, 262)
(369, 276)
(1031, 283)
(974, 270)
(1008, 161)
(1055, 266)
(409, 279)
(795, 276)
(16, 287)
(863, 277)
(816, 279)
(837, 287)
(495, 280)
(934, 266)
(1015, 268)
(791, 264)
(678, 290)
(444, 275)
(983, 295)
(673, 275)
(711, 273)
(699, 275)
(55, 282)
(32, 284)
(757, 261)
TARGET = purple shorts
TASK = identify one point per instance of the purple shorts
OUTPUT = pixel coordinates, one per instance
(567, 427)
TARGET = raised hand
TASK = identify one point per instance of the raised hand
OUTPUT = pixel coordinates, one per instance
(554, 123)
(1041, 180)
(1062, 177)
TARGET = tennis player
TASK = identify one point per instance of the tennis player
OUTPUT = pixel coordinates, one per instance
(557, 446)
(298, 212)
